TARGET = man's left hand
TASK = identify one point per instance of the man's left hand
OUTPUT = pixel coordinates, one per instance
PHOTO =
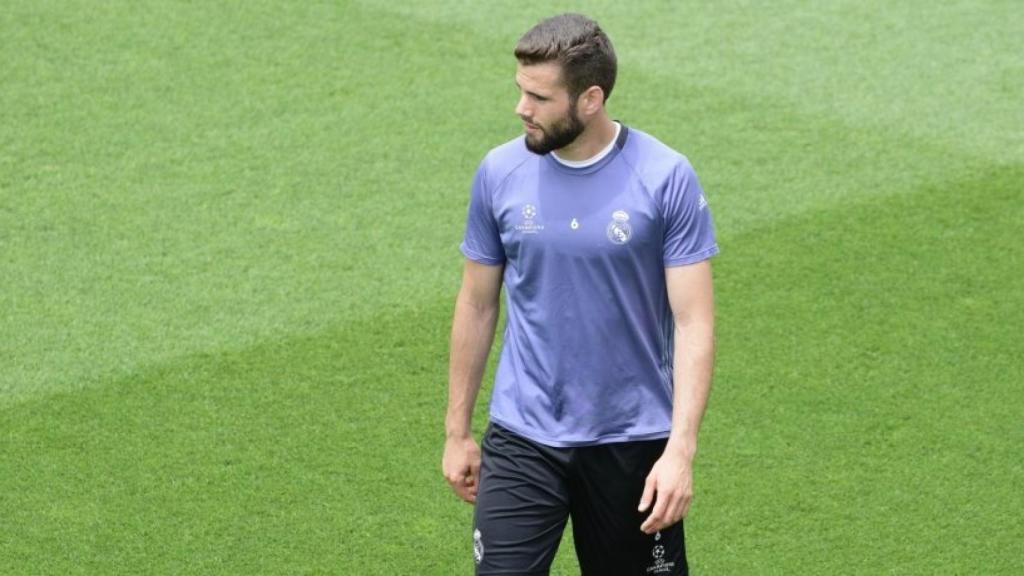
(671, 479)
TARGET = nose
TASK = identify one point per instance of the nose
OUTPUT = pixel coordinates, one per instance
(522, 109)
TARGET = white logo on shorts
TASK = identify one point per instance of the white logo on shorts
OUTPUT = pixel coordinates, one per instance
(478, 547)
(659, 566)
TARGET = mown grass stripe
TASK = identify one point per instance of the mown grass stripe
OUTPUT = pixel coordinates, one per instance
(316, 453)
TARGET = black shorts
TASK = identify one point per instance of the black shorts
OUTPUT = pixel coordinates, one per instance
(528, 491)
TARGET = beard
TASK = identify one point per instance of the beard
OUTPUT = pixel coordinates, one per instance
(559, 135)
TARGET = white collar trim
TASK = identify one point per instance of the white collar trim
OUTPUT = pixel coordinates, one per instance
(593, 159)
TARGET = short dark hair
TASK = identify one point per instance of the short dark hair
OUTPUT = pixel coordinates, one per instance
(579, 45)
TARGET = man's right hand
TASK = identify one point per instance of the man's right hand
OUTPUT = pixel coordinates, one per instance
(461, 466)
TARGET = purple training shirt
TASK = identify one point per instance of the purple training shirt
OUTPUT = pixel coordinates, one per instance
(587, 354)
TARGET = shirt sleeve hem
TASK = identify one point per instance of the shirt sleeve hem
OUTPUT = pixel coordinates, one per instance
(692, 258)
(478, 257)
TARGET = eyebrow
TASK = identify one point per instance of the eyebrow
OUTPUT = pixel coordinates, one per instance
(534, 94)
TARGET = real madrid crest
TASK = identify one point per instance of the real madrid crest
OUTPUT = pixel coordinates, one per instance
(619, 231)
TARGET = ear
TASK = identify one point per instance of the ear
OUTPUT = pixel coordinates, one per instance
(591, 101)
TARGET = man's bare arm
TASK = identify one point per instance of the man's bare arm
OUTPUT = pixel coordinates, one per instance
(691, 298)
(475, 318)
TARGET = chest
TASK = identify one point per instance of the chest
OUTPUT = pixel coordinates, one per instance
(605, 217)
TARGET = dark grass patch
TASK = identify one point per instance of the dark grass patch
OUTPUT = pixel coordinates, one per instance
(840, 424)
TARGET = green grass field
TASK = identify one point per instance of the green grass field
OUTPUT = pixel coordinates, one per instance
(228, 258)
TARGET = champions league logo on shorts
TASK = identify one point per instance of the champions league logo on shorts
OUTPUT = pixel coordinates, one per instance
(619, 231)
(659, 566)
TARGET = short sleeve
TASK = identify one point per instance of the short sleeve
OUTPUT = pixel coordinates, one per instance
(689, 230)
(482, 240)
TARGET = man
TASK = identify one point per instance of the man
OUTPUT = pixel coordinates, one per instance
(601, 235)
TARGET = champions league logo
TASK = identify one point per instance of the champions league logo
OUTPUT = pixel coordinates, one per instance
(660, 565)
(528, 226)
(619, 231)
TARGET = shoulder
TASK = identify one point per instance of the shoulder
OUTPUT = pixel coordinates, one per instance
(505, 159)
(654, 161)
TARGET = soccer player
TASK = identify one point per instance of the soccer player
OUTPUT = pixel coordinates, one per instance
(601, 235)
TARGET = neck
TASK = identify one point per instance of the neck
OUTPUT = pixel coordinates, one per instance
(594, 138)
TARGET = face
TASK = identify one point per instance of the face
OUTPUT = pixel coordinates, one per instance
(548, 113)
